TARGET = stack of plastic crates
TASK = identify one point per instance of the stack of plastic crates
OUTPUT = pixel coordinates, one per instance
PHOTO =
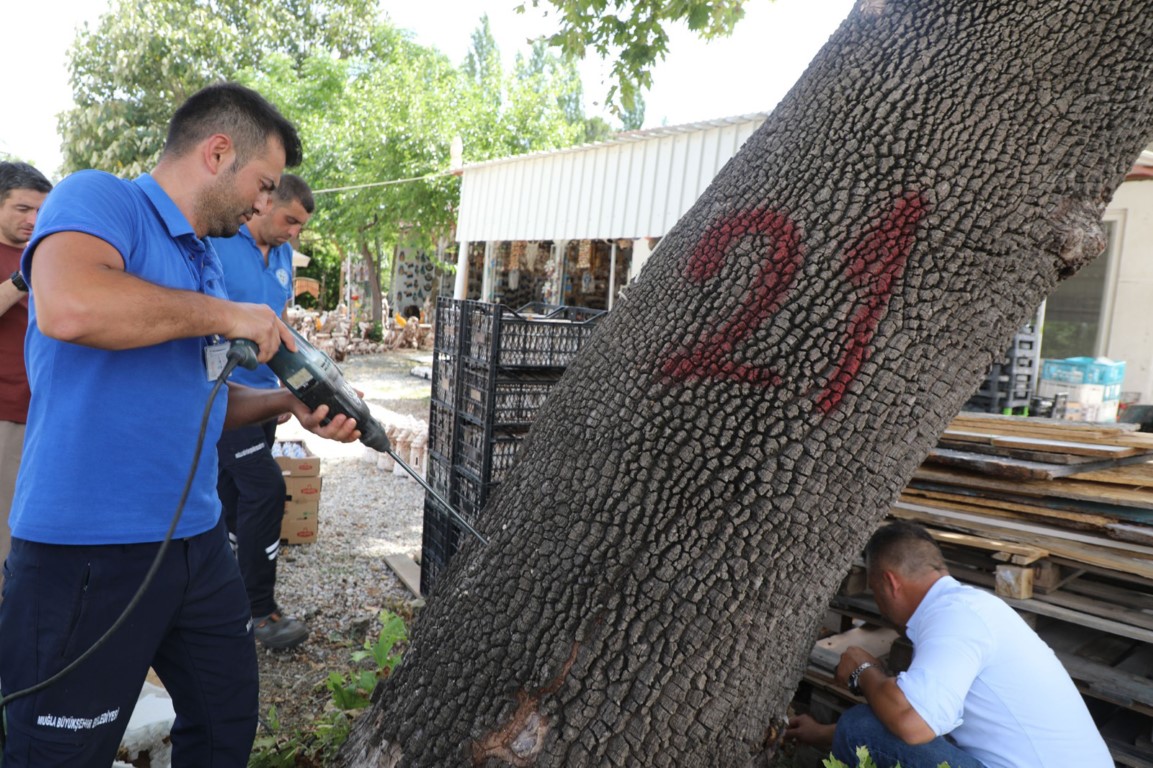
(1011, 383)
(493, 369)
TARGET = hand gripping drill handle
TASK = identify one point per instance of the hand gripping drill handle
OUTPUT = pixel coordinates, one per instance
(315, 380)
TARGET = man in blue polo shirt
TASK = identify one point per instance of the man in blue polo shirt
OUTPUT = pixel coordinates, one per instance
(258, 268)
(128, 325)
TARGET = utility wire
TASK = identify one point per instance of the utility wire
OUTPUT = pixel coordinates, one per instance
(389, 183)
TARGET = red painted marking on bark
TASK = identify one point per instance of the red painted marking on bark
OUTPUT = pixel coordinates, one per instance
(711, 356)
(876, 262)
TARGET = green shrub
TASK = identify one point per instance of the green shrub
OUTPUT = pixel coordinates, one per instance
(316, 745)
(863, 761)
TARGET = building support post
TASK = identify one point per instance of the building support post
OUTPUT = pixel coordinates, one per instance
(460, 288)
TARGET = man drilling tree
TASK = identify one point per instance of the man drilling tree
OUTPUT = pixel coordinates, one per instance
(692, 493)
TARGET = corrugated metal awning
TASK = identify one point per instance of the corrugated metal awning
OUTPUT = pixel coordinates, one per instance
(636, 185)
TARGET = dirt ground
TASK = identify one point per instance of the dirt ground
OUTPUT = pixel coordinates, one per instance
(339, 584)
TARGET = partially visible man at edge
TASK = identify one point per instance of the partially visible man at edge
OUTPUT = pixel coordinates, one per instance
(257, 265)
(22, 192)
(127, 327)
(983, 690)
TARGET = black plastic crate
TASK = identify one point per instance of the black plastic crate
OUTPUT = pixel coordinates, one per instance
(498, 335)
(559, 312)
(441, 432)
(473, 449)
(444, 378)
(445, 337)
(488, 457)
(504, 450)
(469, 493)
(439, 474)
(503, 401)
(440, 540)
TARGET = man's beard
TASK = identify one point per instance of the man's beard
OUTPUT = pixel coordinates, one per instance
(218, 209)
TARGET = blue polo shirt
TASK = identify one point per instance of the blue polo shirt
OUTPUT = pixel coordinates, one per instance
(110, 434)
(248, 279)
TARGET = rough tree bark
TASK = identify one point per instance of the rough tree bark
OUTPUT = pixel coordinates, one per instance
(695, 489)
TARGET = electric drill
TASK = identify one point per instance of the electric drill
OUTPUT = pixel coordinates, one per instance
(315, 380)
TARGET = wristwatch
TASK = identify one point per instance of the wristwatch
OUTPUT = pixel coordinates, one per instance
(18, 281)
(855, 678)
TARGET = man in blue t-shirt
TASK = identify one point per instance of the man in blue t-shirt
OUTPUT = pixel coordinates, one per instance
(128, 329)
(258, 268)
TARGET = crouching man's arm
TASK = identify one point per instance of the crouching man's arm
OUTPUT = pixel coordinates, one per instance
(884, 696)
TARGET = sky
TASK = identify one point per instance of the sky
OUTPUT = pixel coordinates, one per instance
(748, 72)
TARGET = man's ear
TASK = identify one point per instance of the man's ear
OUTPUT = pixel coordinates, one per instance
(217, 152)
(891, 581)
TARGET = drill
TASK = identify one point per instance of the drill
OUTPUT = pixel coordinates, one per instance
(315, 380)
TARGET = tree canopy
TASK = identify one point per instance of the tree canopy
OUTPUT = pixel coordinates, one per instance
(633, 35)
(376, 111)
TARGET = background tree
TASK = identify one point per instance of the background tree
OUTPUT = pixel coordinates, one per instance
(145, 58)
(633, 35)
(695, 487)
(377, 112)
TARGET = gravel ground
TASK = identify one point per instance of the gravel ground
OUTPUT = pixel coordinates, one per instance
(339, 583)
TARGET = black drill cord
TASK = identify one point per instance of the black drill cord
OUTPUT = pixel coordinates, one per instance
(148, 577)
(451, 511)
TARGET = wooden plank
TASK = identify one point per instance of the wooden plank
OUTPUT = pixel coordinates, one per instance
(406, 569)
(1036, 533)
(1119, 686)
(1061, 613)
(827, 651)
(1022, 454)
(1005, 466)
(1059, 504)
(1032, 425)
(1105, 553)
(1102, 450)
(1136, 475)
(1138, 534)
(1135, 599)
(1098, 607)
(1107, 649)
(999, 507)
(1066, 488)
(1023, 554)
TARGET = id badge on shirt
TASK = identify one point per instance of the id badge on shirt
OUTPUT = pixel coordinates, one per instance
(215, 358)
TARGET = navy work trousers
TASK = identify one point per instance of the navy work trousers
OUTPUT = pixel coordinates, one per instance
(251, 488)
(192, 626)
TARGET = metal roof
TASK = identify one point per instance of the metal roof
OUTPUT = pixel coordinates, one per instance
(637, 184)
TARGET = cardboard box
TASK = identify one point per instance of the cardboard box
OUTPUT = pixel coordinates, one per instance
(1099, 412)
(302, 488)
(1090, 394)
(295, 459)
(300, 523)
(301, 509)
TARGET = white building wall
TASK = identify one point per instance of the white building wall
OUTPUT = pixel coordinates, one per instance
(1128, 298)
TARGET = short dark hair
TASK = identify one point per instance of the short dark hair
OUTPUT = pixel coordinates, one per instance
(904, 547)
(21, 176)
(240, 113)
(292, 187)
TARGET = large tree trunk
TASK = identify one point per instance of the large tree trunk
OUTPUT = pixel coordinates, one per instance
(694, 490)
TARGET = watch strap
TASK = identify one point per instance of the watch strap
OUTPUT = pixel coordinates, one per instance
(18, 281)
(855, 677)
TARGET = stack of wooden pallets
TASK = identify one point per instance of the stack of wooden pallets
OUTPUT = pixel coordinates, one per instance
(1057, 518)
